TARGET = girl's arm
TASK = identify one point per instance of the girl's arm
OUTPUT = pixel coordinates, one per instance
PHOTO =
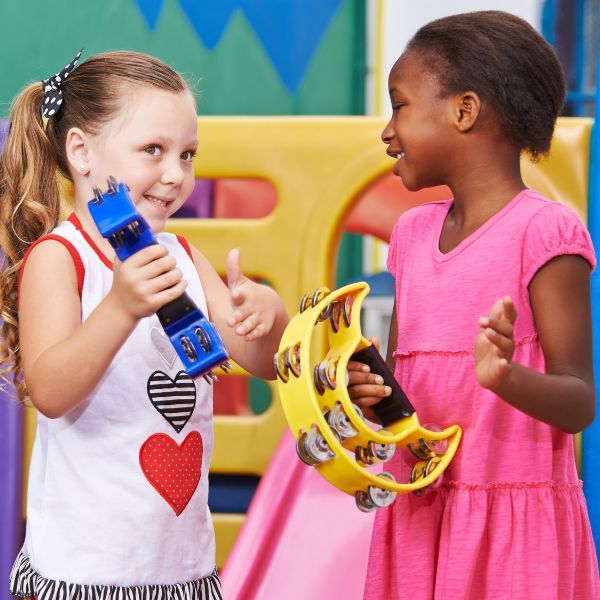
(563, 396)
(64, 359)
(249, 316)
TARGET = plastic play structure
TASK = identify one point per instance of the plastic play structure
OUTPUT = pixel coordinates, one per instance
(321, 169)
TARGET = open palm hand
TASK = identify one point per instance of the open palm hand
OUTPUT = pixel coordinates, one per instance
(495, 344)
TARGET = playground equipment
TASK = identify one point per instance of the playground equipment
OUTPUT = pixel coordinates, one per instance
(318, 181)
(193, 336)
(330, 432)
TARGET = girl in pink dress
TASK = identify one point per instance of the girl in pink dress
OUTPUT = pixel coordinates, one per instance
(491, 327)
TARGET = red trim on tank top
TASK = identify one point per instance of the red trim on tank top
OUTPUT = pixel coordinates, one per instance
(74, 219)
(77, 262)
(186, 246)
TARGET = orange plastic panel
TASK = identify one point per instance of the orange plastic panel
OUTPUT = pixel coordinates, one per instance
(243, 198)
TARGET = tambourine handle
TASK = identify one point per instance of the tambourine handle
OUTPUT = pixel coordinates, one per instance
(394, 407)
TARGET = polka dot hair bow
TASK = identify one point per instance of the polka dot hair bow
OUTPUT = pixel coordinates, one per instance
(53, 95)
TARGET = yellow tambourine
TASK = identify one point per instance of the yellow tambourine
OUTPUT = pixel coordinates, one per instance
(331, 433)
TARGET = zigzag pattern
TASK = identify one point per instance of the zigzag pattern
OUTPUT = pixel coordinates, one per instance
(289, 31)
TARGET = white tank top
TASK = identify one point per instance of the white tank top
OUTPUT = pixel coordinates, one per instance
(118, 487)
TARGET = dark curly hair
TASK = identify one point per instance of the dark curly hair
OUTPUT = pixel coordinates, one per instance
(507, 62)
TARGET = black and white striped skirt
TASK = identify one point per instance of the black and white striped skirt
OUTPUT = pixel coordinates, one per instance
(24, 581)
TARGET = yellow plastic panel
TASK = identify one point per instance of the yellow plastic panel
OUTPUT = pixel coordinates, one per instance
(227, 527)
(563, 176)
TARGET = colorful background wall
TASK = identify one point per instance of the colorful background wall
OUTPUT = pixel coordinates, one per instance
(269, 57)
(246, 57)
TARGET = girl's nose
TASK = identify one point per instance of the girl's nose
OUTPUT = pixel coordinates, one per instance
(388, 133)
(173, 173)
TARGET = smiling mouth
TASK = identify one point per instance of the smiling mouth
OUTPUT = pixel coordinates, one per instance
(157, 201)
(397, 155)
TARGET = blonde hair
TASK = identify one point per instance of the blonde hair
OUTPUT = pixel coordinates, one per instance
(29, 186)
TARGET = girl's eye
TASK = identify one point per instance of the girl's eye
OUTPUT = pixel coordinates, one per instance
(153, 150)
(188, 155)
(397, 106)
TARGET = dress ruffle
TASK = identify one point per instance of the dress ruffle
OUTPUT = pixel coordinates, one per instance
(492, 541)
(24, 582)
(528, 340)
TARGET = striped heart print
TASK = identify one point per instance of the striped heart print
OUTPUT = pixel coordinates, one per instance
(173, 399)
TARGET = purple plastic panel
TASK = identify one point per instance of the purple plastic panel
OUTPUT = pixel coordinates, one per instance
(4, 127)
(11, 475)
(200, 203)
(11, 468)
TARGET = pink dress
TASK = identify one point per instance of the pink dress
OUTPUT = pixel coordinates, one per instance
(510, 521)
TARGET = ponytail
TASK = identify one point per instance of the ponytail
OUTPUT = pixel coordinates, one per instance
(29, 209)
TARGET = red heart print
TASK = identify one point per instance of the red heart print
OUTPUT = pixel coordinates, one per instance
(173, 470)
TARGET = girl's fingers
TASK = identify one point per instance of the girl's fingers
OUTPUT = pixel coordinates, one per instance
(361, 378)
(247, 325)
(235, 276)
(159, 266)
(497, 310)
(368, 394)
(502, 326)
(256, 333)
(502, 342)
(354, 365)
(238, 296)
(238, 316)
(366, 402)
(504, 310)
(147, 255)
(167, 280)
(510, 312)
(171, 293)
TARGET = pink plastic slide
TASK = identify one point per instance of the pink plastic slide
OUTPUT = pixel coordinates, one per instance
(302, 538)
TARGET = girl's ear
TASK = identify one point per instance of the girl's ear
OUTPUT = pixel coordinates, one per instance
(466, 110)
(78, 150)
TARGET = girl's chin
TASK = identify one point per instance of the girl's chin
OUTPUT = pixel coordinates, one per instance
(157, 225)
(397, 168)
(410, 182)
(155, 222)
